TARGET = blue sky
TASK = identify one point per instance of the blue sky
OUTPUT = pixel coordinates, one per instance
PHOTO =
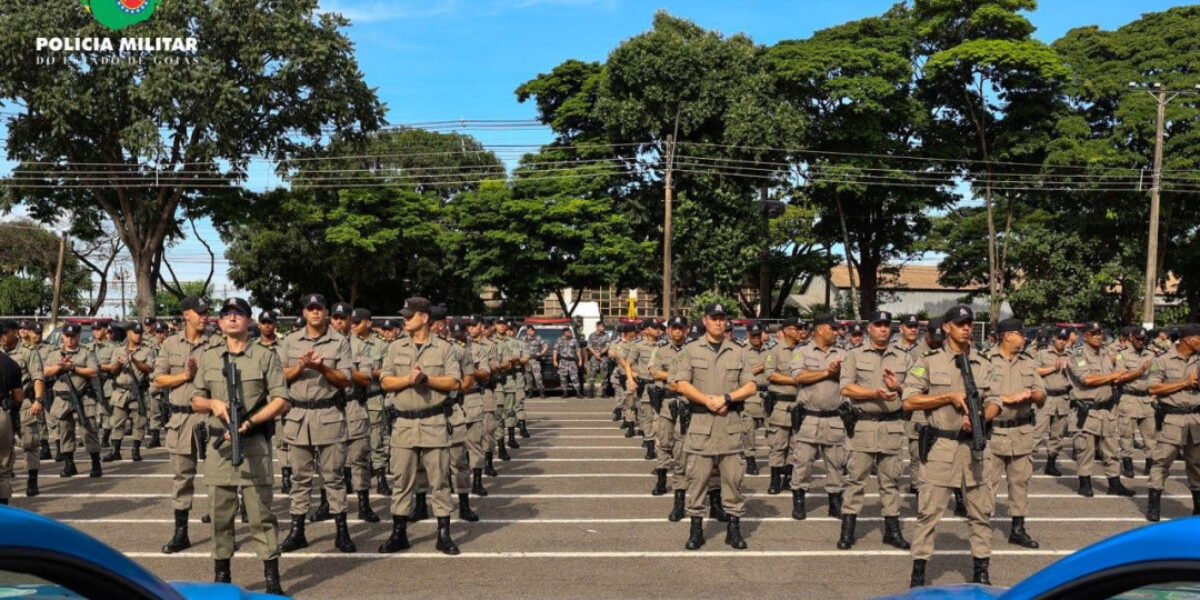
(433, 60)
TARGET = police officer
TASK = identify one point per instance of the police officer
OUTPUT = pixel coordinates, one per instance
(358, 421)
(391, 331)
(1052, 418)
(474, 406)
(1095, 387)
(781, 393)
(72, 368)
(536, 347)
(1017, 388)
(268, 327)
(261, 397)
(102, 348)
(936, 386)
(316, 365)
(1134, 412)
(714, 375)
(32, 416)
(455, 332)
(597, 356)
(872, 379)
(12, 396)
(522, 366)
(155, 417)
(624, 387)
(488, 363)
(856, 335)
(372, 347)
(637, 369)
(668, 439)
(1176, 386)
(758, 349)
(418, 374)
(911, 342)
(131, 392)
(816, 372)
(567, 356)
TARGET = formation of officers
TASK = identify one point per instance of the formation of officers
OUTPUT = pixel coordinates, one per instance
(420, 408)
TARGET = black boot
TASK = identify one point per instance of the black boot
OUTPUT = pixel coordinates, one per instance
(918, 574)
(399, 538)
(503, 453)
(445, 545)
(364, 507)
(322, 512)
(524, 429)
(733, 534)
(58, 455)
(420, 509)
(221, 571)
(136, 454)
(1195, 503)
(477, 483)
(464, 508)
(271, 577)
(1018, 535)
(846, 539)
(981, 572)
(660, 483)
(835, 505)
(650, 453)
(179, 542)
(105, 436)
(1127, 467)
(68, 469)
(892, 535)
(341, 539)
(1154, 507)
(616, 415)
(489, 468)
(31, 484)
(285, 480)
(382, 487)
(677, 508)
(785, 480)
(1149, 463)
(206, 518)
(114, 452)
(799, 513)
(960, 507)
(155, 440)
(628, 429)
(696, 534)
(295, 539)
(751, 466)
(1052, 466)
(44, 453)
(715, 510)
(96, 471)
(776, 481)
(512, 439)
(1085, 487)
(1116, 488)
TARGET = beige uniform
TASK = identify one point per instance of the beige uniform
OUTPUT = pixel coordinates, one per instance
(279, 445)
(1134, 412)
(712, 439)
(460, 468)
(316, 427)
(475, 406)
(822, 430)
(492, 394)
(878, 436)
(754, 404)
(262, 380)
(172, 359)
(1012, 441)
(1054, 416)
(1181, 424)
(668, 438)
(1099, 433)
(950, 464)
(30, 362)
(102, 352)
(61, 411)
(10, 386)
(374, 347)
(779, 422)
(625, 398)
(639, 356)
(358, 419)
(128, 384)
(420, 436)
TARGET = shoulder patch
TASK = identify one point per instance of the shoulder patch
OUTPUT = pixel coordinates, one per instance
(1082, 362)
(917, 371)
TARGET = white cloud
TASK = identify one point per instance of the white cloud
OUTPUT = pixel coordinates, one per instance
(378, 11)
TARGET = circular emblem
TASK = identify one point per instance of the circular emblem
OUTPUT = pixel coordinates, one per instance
(133, 6)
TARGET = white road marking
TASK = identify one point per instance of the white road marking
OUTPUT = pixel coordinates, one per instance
(622, 554)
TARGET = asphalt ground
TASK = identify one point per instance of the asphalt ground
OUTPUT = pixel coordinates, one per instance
(571, 516)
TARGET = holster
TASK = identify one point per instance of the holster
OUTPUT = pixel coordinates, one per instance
(798, 414)
(200, 434)
(925, 440)
(641, 387)
(1082, 409)
(849, 418)
(1160, 415)
(656, 397)
(769, 399)
(685, 418)
(10, 406)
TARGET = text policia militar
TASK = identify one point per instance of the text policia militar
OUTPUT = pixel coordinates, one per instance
(125, 44)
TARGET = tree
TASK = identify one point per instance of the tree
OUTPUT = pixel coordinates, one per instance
(168, 303)
(157, 137)
(28, 261)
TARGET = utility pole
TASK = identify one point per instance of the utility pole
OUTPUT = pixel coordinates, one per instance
(666, 293)
(121, 275)
(62, 257)
(764, 253)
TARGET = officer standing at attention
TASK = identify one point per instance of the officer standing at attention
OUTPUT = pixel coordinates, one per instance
(1095, 387)
(262, 397)
(1175, 384)
(12, 396)
(1053, 417)
(536, 347)
(418, 374)
(268, 338)
(70, 360)
(816, 370)
(756, 345)
(872, 379)
(567, 356)
(911, 343)
(131, 365)
(637, 359)
(781, 393)
(714, 374)
(935, 386)
(33, 386)
(1018, 390)
(1135, 414)
(316, 365)
(597, 356)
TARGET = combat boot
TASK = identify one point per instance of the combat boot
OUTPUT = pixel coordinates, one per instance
(322, 512)
(477, 483)
(221, 571)
(512, 439)
(523, 427)
(383, 486)
(68, 469)
(660, 483)
(846, 539)
(1127, 467)
(733, 534)
(776, 481)
(96, 471)
(503, 451)
(785, 480)
(464, 508)
(1116, 488)
(136, 454)
(445, 545)
(285, 480)
(271, 577)
(489, 468)
(1085, 487)
(105, 436)
(629, 429)
(892, 535)
(676, 514)
(420, 509)
(399, 538)
(616, 415)
(918, 574)
(981, 572)
(58, 455)
(696, 534)
(1052, 466)
(650, 453)
(364, 507)
(114, 452)
(715, 510)
(295, 539)
(1154, 506)
(155, 440)
(1149, 463)
(960, 507)
(835, 505)
(751, 466)
(1018, 536)
(31, 484)
(341, 539)
(799, 513)
(179, 542)
(44, 453)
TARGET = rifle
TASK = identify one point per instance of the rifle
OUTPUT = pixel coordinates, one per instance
(974, 407)
(200, 435)
(96, 386)
(233, 387)
(138, 394)
(77, 405)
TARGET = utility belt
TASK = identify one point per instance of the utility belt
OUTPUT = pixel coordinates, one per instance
(443, 408)
(1029, 419)
(866, 416)
(176, 409)
(928, 435)
(1140, 394)
(820, 414)
(700, 409)
(338, 402)
(772, 399)
(1177, 410)
(566, 357)
(1057, 393)
(1101, 405)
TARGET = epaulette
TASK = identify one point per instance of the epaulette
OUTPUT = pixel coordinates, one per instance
(739, 342)
(930, 353)
(460, 344)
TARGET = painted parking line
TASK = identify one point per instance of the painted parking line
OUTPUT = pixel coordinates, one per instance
(619, 555)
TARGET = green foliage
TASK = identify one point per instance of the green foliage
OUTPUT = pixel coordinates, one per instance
(28, 261)
(703, 299)
(168, 304)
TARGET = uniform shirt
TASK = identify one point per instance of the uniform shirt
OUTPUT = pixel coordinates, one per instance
(864, 366)
(1171, 367)
(10, 377)
(950, 462)
(825, 394)
(758, 357)
(172, 359)
(567, 349)
(598, 342)
(82, 358)
(262, 381)
(1058, 380)
(779, 360)
(436, 359)
(129, 375)
(534, 346)
(638, 356)
(1012, 377)
(29, 359)
(713, 372)
(1090, 362)
(104, 356)
(515, 349)
(315, 427)
(1132, 360)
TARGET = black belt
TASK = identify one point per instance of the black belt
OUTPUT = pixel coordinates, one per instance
(176, 409)
(1105, 405)
(1062, 392)
(866, 416)
(958, 436)
(1019, 421)
(318, 404)
(700, 409)
(821, 414)
(440, 409)
(1178, 410)
(1135, 393)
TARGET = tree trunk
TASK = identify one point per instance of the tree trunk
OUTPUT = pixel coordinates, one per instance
(868, 283)
(144, 273)
(994, 289)
(848, 251)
